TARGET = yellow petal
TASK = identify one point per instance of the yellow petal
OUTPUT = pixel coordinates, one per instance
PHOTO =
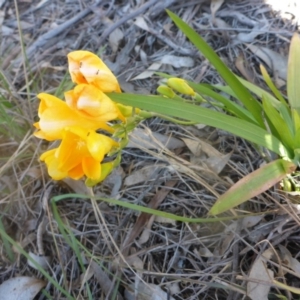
(52, 164)
(91, 168)
(76, 173)
(86, 67)
(92, 102)
(55, 115)
(98, 145)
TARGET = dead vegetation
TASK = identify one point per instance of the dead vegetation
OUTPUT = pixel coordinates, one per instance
(119, 253)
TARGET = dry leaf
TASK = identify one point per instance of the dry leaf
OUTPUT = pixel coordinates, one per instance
(274, 60)
(214, 6)
(115, 38)
(251, 221)
(146, 291)
(240, 65)
(206, 154)
(140, 22)
(43, 261)
(149, 72)
(178, 61)
(145, 138)
(249, 37)
(102, 278)
(142, 175)
(25, 288)
(260, 278)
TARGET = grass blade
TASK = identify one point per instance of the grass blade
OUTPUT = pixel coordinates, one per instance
(241, 92)
(253, 184)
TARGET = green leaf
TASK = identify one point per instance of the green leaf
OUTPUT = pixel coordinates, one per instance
(296, 119)
(253, 184)
(279, 124)
(230, 106)
(202, 115)
(283, 108)
(271, 85)
(241, 92)
(293, 86)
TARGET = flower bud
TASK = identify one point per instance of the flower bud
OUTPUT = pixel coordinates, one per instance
(181, 86)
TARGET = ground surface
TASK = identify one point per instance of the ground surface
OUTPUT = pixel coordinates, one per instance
(118, 252)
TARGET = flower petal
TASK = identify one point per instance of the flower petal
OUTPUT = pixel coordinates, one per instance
(86, 67)
(55, 115)
(92, 103)
(91, 168)
(52, 164)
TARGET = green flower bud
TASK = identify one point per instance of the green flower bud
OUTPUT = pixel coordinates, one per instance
(181, 86)
(165, 91)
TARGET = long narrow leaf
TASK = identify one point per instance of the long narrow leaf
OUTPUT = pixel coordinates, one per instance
(231, 106)
(191, 112)
(293, 86)
(271, 85)
(281, 107)
(286, 136)
(253, 184)
(241, 92)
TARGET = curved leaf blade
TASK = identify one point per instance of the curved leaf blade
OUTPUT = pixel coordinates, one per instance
(253, 184)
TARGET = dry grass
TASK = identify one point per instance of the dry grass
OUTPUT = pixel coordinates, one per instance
(99, 251)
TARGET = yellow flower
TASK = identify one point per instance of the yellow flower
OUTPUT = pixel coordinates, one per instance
(80, 153)
(55, 115)
(86, 67)
(92, 102)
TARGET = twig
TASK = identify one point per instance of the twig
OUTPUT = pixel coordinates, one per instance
(43, 39)
(135, 13)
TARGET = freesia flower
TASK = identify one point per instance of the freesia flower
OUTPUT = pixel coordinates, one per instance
(86, 67)
(55, 115)
(91, 102)
(80, 153)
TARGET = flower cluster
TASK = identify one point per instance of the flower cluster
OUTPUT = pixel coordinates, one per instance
(76, 121)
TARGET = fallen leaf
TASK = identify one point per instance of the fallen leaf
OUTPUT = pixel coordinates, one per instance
(149, 72)
(240, 65)
(206, 154)
(178, 61)
(102, 278)
(23, 287)
(251, 221)
(146, 291)
(249, 37)
(43, 261)
(214, 6)
(140, 22)
(142, 175)
(261, 277)
(274, 60)
(115, 38)
(145, 138)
